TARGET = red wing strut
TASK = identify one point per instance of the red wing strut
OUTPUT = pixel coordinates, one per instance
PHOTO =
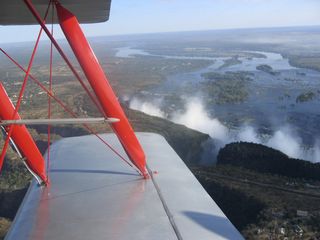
(22, 138)
(101, 87)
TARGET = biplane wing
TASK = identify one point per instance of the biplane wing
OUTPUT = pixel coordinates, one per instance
(93, 195)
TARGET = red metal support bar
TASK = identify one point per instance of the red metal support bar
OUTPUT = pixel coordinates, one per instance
(101, 86)
(22, 137)
(62, 54)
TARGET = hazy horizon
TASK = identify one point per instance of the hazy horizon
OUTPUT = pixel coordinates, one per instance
(44, 38)
(158, 16)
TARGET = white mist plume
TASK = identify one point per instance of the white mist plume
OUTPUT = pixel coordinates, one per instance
(313, 155)
(150, 108)
(286, 142)
(248, 134)
(196, 118)
(316, 152)
(283, 139)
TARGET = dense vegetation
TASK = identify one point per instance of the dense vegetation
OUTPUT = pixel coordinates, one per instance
(264, 206)
(305, 97)
(240, 208)
(230, 62)
(311, 61)
(14, 181)
(231, 87)
(266, 68)
(267, 160)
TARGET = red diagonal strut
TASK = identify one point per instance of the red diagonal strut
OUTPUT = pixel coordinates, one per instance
(101, 86)
(22, 138)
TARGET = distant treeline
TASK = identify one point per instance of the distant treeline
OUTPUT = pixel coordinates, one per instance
(267, 160)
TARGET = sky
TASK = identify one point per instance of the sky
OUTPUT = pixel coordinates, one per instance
(149, 16)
